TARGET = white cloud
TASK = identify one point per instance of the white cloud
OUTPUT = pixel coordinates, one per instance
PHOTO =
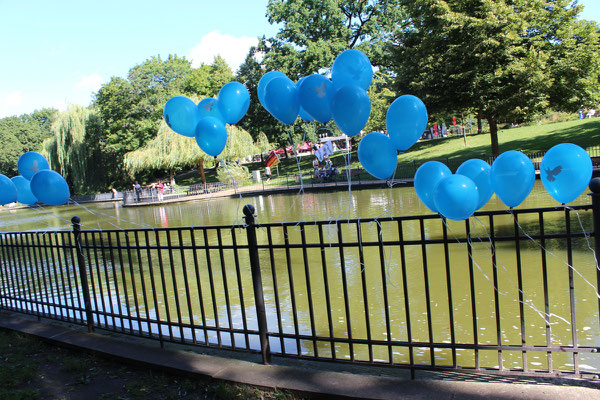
(11, 103)
(90, 82)
(232, 49)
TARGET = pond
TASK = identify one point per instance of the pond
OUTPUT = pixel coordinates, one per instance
(378, 203)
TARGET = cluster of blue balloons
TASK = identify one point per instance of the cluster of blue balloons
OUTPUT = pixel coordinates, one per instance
(406, 119)
(37, 182)
(206, 120)
(565, 171)
(342, 98)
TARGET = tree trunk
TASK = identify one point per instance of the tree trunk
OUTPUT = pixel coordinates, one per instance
(494, 136)
(171, 177)
(479, 126)
(201, 166)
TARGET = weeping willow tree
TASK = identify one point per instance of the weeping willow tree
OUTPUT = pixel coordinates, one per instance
(169, 150)
(73, 149)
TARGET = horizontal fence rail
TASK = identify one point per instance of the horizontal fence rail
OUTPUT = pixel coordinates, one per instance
(512, 291)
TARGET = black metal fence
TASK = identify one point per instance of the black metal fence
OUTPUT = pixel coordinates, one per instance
(504, 292)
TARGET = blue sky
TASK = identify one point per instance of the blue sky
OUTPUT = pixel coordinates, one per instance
(56, 53)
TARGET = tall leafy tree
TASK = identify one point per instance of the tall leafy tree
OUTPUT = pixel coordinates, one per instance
(21, 134)
(131, 109)
(74, 151)
(498, 57)
(207, 80)
(314, 32)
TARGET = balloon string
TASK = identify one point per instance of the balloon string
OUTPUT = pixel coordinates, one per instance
(586, 236)
(528, 302)
(143, 225)
(489, 249)
(554, 255)
(235, 188)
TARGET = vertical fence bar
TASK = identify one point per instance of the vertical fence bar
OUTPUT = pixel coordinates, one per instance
(520, 288)
(427, 293)
(198, 284)
(595, 188)
(82, 273)
(411, 355)
(449, 291)
(473, 300)
(572, 292)
(546, 291)
(259, 298)
(286, 240)
(311, 312)
(496, 292)
(327, 294)
(275, 290)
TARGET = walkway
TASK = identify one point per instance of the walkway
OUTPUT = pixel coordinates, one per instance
(314, 378)
(260, 189)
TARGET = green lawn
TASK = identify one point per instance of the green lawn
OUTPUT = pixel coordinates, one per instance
(529, 139)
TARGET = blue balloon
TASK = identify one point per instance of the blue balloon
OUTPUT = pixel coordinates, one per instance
(50, 187)
(406, 120)
(479, 172)
(315, 93)
(377, 155)
(301, 111)
(351, 108)
(233, 101)
(209, 107)
(211, 136)
(352, 67)
(181, 115)
(24, 195)
(566, 170)
(8, 191)
(456, 197)
(31, 162)
(262, 85)
(513, 176)
(426, 179)
(283, 102)
(304, 115)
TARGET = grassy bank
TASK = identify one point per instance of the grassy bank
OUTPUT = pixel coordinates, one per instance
(584, 133)
(33, 369)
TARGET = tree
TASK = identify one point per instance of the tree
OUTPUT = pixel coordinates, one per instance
(73, 149)
(495, 56)
(19, 135)
(131, 109)
(207, 80)
(314, 32)
(169, 150)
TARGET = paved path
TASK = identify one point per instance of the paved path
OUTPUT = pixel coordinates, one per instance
(258, 189)
(314, 378)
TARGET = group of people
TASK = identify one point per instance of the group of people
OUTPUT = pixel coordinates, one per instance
(326, 171)
(159, 187)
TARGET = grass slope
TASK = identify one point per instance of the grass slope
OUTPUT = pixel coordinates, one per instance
(529, 139)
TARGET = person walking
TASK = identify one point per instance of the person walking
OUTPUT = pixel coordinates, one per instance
(160, 189)
(137, 188)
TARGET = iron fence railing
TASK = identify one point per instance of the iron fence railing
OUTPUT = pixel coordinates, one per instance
(511, 291)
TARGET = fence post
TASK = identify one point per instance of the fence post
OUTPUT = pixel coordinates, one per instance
(259, 298)
(595, 188)
(82, 273)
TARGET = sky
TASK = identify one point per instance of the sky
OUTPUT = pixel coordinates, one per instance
(57, 53)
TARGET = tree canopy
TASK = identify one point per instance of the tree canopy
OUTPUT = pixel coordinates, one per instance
(507, 59)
